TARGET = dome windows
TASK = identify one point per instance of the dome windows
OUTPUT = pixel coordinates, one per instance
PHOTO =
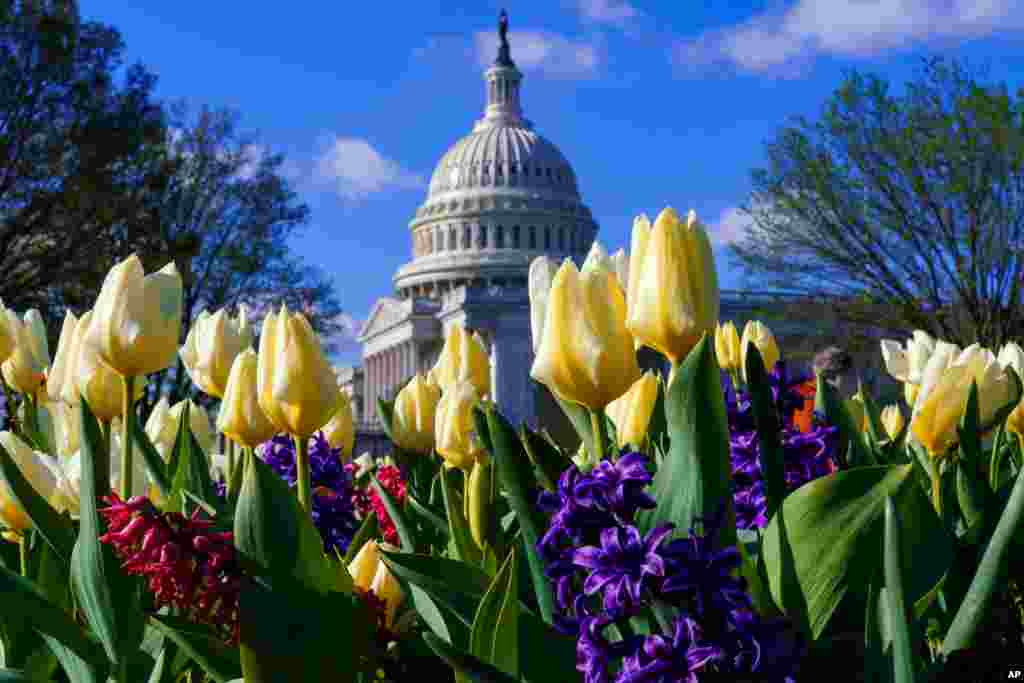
(499, 237)
(515, 236)
(533, 238)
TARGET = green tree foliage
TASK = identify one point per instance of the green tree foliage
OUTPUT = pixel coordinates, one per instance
(78, 166)
(900, 211)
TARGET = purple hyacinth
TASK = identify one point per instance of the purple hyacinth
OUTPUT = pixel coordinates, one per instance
(617, 487)
(330, 482)
(623, 565)
(670, 659)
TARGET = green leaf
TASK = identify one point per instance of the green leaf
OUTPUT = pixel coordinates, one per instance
(465, 664)
(548, 461)
(219, 661)
(766, 419)
(875, 429)
(23, 601)
(431, 615)
(75, 668)
(579, 416)
(16, 676)
(155, 465)
(480, 425)
(896, 612)
(516, 479)
(192, 472)
(395, 513)
(426, 514)
(108, 597)
(367, 530)
(386, 410)
(694, 479)
(495, 634)
(458, 528)
(989, 577)
(56, 529)
(849, 433)
(458, 588)
(877, 636)
(825, 543)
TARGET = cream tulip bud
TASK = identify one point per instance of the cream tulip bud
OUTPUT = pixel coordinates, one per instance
(892, 420)
(586, 354)
(727, 347)
(910, 392)
(211, 347)
(58, 374)
(241, 418)
(363, 566)
(85, 375)
(620, 261)
(457, 441)
(542, 274)
(163, 422)
(757, 333)
(464, 358)
(855, 408)
(340, 432)
(37, 468)
(137, 318)
(632, 411)
(414, 415)
(673, 284)
(25, 369)
(298, 388)
(8, 335)
(386, 587)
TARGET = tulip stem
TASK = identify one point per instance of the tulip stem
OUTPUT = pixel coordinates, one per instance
(302, 484)
(23, 553)
(235, 482)
(595, 426)
(128, 425)
(229, 446)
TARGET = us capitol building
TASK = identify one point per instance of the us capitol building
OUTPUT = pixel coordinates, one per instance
(499, 198)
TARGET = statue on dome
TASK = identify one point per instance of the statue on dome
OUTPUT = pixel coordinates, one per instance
(503, 29)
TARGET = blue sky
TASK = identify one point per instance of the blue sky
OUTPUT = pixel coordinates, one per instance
(654, 102)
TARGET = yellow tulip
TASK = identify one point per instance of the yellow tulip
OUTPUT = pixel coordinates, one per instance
(542, 274)
(162, 425)
(673, 284)
(363, 566)
(757, 333)
(58, 373)
(340, 432)
(68, 494)
(241, 418)
(414, 415)
(25, 369)
(86, 375)
(632, 411)
(297, 388)
(37, 468)
(8, 335)
(910, 392)
(939, 411)
(464, 358)
(457, 441)
(386, 587)
(211, 347)
(620, 260)
(67, 427)
(727, 347)
(892, 420)
(586, 354)
(137, 318)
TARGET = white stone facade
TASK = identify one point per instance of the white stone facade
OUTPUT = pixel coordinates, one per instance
(500, 197)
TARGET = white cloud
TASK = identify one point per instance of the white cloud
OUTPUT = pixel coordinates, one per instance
(616, 12)
(730, 226)
(357, 170)
(346, 337)
(551, 54)
(850, 28)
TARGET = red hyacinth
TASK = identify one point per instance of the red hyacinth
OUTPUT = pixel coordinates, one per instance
(187, 565)
(365, 500)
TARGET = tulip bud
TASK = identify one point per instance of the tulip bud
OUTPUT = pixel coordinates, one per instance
(892, 420)
(481, 502)
(855, 408)
(673, 284)
(85, 375)
(241, 418)
(340, 432)
(211, 347)
(25, 368)
(58, 374)
(67, 428)
(464, 358)
(8, 335)
(363, 566)
(620, 261)
(727, 347)
(632, 411)
(137, 318)
(542, 274)
(37, 469)
(757, 333)
(298, 389)
(162, 425)
(386, 587)
(455, 429)
(586, 354)
(414, 416)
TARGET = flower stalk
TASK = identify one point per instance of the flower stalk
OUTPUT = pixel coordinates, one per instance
(129, 425)
(597, 427)
(302, 474)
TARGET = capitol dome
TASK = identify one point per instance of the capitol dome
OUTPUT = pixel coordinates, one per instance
(498, 198)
